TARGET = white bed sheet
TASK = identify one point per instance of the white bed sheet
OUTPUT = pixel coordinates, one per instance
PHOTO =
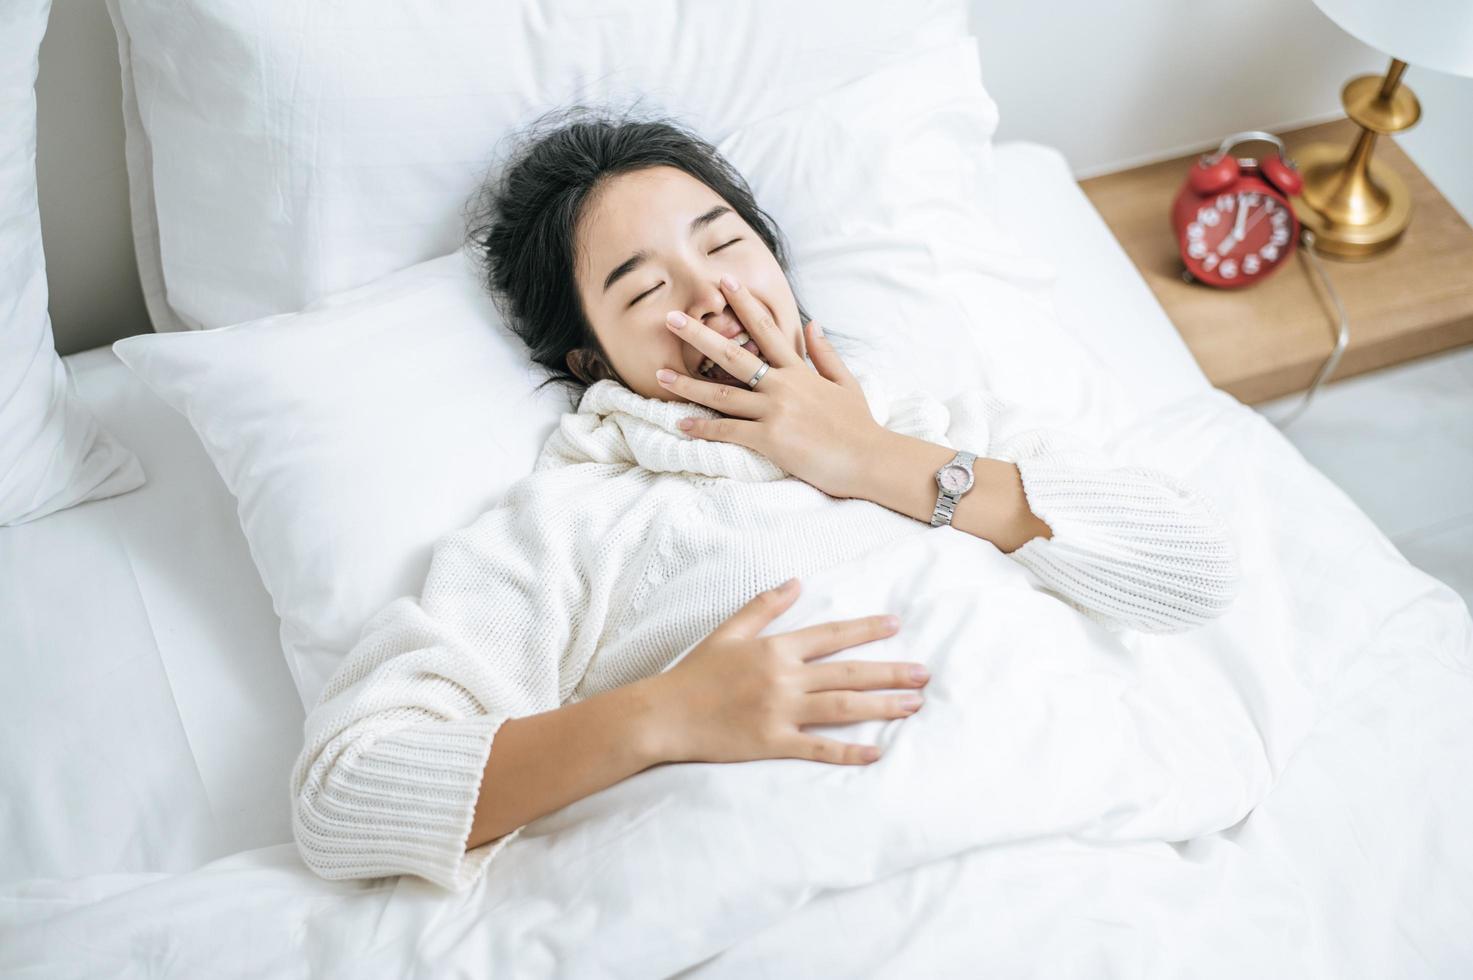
(149, 719)
(151, 725)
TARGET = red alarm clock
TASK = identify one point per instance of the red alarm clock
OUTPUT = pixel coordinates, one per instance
(1233, 221)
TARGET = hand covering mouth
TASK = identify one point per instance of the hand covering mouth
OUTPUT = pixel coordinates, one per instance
(712, 371)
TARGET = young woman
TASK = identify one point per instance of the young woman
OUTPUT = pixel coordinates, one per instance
(530, 673)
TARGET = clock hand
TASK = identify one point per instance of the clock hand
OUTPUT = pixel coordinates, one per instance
(1256, 220)
(1239, 230)
(1232, 238)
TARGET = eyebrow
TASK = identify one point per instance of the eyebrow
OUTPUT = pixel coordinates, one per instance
(638, 258)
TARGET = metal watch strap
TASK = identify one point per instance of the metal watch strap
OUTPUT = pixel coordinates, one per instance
(946, 502)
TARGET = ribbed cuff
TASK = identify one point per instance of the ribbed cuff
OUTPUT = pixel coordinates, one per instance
(404, 806)
(1132, 547)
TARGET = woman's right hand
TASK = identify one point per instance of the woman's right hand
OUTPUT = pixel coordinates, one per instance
(737, 696)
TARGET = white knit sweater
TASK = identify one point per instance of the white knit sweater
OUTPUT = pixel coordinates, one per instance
(629, 542)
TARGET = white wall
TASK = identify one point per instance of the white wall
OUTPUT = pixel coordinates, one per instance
(83, 182)
(1112, 85)
(1115, 85)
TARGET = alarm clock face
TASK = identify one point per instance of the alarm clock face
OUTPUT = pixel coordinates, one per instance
(1238, 236)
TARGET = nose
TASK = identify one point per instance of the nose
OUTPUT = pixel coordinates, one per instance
(709, 306)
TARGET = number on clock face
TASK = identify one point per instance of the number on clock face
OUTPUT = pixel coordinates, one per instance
(1239, 233)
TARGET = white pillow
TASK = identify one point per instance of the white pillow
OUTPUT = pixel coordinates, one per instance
(52, 452)
(881, 187)
(281, 151)
(875, 177)
(357, 432)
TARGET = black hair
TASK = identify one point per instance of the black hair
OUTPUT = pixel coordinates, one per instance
(523, 221)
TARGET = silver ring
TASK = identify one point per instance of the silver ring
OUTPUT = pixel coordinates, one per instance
(758, 376)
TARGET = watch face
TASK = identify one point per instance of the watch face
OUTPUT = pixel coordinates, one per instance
(953, 479)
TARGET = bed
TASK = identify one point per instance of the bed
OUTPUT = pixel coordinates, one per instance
(153, 725)
(1280, 792)
(179, 624)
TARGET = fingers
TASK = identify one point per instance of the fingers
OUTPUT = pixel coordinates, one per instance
(824, 638)
(762, 609)
(738, 361)
(759, 324)
(724, 398)
(863, 675)
(842, 707)
(829, 750)
(741, 432)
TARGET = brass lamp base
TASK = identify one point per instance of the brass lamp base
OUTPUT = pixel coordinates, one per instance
(1353, 214)
(1355, 206)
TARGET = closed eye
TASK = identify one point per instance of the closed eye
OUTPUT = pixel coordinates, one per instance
(659, 284)
(645, 293)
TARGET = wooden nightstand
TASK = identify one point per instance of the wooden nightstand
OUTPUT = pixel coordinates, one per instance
(1271, 339)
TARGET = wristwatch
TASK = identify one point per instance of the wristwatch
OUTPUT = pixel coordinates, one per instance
(953, 481)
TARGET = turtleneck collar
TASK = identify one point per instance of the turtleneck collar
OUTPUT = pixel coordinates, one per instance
(616, 425)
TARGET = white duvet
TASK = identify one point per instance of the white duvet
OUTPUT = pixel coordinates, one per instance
(1068, 802)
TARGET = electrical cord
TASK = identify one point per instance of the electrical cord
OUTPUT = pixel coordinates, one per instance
(1342, 334)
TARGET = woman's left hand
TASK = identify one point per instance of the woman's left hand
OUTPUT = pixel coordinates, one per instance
(815, 425)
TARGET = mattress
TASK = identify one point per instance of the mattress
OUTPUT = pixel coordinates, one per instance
(143, 617)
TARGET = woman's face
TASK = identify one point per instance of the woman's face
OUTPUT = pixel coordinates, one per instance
(655, 240)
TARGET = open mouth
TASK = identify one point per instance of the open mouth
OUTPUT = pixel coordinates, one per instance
(712, 371)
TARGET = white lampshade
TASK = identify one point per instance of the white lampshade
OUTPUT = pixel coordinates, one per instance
(1436, 34)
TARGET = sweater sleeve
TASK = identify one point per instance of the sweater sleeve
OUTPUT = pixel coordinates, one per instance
(397, 743)
(1131, 547)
